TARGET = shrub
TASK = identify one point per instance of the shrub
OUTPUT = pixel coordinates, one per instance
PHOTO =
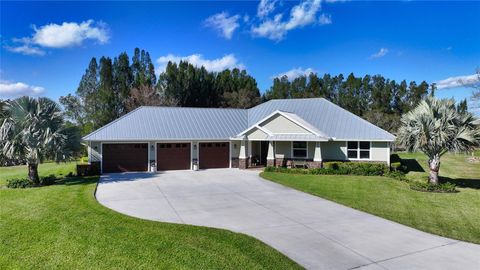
(19, 183)
(340, 168)
(396, 166)
(427, 187)
(48, 180)
(331, 165)
(399, 175)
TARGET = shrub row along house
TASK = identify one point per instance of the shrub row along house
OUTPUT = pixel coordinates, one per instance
(277, 133)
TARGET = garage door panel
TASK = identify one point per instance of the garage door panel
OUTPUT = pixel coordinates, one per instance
(173, 156)
(124, 157)
(214, 155)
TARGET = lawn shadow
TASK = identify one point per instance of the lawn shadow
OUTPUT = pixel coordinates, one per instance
(462, 182)
(77, 180)
(412, 165)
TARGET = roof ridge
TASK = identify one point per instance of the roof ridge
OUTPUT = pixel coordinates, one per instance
(199, 108)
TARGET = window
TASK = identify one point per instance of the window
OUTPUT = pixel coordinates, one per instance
(299, 149)
(358, 150)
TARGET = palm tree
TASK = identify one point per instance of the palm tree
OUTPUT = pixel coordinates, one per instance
(34, 130)
(435, 127)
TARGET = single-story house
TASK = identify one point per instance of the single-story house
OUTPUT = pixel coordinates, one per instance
(307, 131)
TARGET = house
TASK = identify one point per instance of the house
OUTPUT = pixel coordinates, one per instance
(276, 133)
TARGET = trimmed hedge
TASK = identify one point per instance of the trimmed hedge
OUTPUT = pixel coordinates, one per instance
(427, 187)
(341, 168)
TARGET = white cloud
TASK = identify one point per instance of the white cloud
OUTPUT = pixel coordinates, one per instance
(223, 23)
(67, 34)
(325, 19)
(70, 34)
(265, 7)
(26, 49)
(381, 53)
(458, 81)
(295, 73)
(17, 89)
(300, 15)
(219, 64)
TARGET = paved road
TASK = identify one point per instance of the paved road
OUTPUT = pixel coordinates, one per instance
(317, 233)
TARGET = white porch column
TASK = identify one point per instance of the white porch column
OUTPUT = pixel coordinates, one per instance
(249, 149)
(317, 156)
(243, 150)
(271, 152)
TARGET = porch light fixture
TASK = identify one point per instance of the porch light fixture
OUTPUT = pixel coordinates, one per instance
(234, 146)
(152, 147)
(195, 147)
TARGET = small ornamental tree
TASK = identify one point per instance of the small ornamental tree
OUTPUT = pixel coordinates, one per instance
(435, 127)
(34, 130)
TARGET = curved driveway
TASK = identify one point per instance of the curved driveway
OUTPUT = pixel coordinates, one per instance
(317, 233)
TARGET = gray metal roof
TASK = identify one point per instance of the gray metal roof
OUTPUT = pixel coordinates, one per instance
(177, 123)
(169, 123)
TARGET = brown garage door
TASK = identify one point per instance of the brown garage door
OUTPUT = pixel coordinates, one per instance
(214, 155)
(124, 157)
(173, 156)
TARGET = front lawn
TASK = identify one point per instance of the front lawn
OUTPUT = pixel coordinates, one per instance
(60, 169)
(63, 226)
(454, 215)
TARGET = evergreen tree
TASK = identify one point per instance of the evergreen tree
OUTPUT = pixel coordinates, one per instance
(122, 82)
(106, 94)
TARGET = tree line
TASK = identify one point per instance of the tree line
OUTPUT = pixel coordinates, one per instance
(375, 98)
(111, 88)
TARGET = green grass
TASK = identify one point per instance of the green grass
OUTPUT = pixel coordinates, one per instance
(45, 169)
(454, 215)
(453, 168)
(63, 226)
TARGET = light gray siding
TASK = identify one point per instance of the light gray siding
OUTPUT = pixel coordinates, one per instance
(379, 151)
(235, 149)
(280, 124)
(333, 150)
(95, 152)
(283, 149)
(311, 149)
(257, 134)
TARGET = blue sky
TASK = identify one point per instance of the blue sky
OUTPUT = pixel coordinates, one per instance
(46, 46)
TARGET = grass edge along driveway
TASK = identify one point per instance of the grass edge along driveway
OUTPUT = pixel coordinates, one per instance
(63, 226)
(455, 215)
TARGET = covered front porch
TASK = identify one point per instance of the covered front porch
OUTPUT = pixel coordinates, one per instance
(262, 153)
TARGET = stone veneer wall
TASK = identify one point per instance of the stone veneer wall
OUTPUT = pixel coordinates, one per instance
(235, 162)
(243, 163)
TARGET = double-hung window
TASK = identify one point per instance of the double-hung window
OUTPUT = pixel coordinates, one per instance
(299, 149)
(358, 150)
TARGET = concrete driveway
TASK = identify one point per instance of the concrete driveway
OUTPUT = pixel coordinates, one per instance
(317, 233)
